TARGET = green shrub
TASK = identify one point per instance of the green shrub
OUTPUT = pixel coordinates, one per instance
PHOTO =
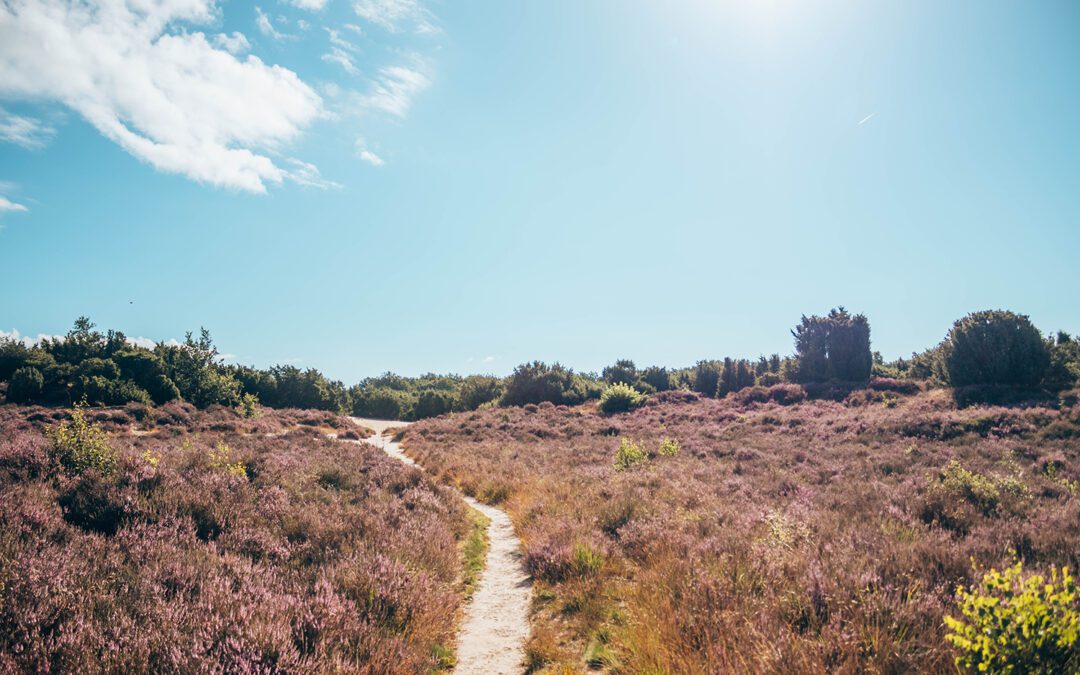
(433, 402)
(669, 447)
(629, 454)
(1013, 624)
(991, 495)
(620, 398)
(249, 406)
(586, 561)
(994, 347)
(81, 445)
(26, 385)
(833, 347)
(221, 460)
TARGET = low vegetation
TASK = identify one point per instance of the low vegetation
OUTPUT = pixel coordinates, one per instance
(179, 540)
(805, 535)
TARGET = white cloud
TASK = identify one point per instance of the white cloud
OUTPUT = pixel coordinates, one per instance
(145, 343)
(308, 174)
(342, 58)
(394, 90)
(27, 340)
(164, 94)
(866, 119)
(266, 26)
(354, 28)
(394, 14)
(367, 155)
(312, 5)
(28, 132)
(234, 43)
(8, 206)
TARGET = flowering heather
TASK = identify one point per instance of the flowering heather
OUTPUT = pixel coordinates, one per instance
(218, 543)
(786, 535)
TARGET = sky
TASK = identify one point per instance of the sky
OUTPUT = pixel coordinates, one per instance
(363, 186)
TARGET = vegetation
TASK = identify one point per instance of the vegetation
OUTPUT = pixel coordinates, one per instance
(200, 544)
(811, 536)
(620, 398)
(833, 347)
(1017, 624)
(994, 347)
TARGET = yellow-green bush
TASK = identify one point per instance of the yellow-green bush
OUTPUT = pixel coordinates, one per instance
(620, 398)
(669, 447)
(1013, 624)
(629, 454)
(80, 445)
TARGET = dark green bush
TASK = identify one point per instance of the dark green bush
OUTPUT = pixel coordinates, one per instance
(833, 347)
(432, 403)
(994, 347)
(478, 390)
(26, 385)
(537, 382)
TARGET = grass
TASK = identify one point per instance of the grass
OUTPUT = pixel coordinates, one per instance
(816, 536)
(474, 550)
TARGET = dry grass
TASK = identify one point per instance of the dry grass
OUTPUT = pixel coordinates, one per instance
(820, 536)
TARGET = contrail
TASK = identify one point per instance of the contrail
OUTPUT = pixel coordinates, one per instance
(865, 119)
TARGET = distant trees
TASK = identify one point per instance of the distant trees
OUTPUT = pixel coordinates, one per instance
(538, 382)
(994, 347)
(833, 347)
(26, 385)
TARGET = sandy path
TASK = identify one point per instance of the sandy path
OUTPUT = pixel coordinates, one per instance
(496, 625)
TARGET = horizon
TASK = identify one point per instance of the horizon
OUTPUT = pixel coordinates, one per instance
(415, 187)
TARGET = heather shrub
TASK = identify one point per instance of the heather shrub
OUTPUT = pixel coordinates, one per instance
(995, 348)
(1016, 624)
(957, 496)
(893, 385)
(629, 454)
(92, 503)
(26, 385)
(81, 445)
(752, 395)
(620, 398)
(787, 394)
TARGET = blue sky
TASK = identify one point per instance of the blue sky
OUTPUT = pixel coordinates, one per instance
(466, 186)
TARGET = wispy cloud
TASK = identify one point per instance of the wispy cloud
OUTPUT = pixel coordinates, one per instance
(341, 51)
(394, 89)
(305, 173)
(8, 206)
(866, 119)
(28, 132)
(266, 26)
(169, 97)
(367, 155)
(312, 5)
(394, 15)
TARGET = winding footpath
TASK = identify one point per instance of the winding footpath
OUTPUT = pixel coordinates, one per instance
(496, 623)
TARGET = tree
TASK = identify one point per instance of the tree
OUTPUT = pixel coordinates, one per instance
(478, 390)
(623, 372)
(537, 382)
(994, 347)
(833, 347)
(705, 378)
(26, 385)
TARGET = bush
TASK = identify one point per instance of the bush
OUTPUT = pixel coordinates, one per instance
(537, 382)
(249, 406)
(81, 445)
(620, 398)
(478, 390)
(433, 402)
(629, 454)
(1012, 624)
(381, 403)
(994, 347)
(669, 447)
(787, 394)
(91, 503)
(26, 385)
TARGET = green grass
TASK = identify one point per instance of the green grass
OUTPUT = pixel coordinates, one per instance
(474, 549)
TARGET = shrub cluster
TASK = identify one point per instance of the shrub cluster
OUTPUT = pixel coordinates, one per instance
(620, 398)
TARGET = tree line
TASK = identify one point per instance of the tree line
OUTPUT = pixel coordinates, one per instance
(990, 348)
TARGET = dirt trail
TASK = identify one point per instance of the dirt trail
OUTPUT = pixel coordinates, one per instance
(496, 625)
